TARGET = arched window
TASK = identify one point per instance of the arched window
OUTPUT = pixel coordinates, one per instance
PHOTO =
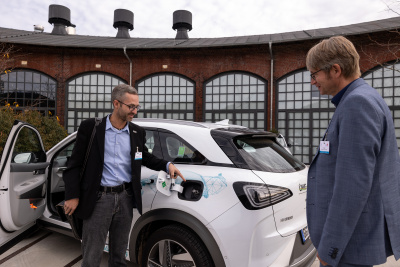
(237, 96)
(166, 95)
(28, 88)
(89, 96)
(303, 113)
(386, 80)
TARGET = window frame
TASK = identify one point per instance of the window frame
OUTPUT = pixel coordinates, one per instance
(73, 116)
(255, 118)
(303, 140)
(174, 108)
(50, 82)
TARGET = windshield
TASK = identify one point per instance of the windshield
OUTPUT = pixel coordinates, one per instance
(263, 154)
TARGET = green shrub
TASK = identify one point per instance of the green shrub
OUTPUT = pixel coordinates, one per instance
(275, 131)
(49, 128)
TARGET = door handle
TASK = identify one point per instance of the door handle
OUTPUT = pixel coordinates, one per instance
(39, 171)
(61, 169)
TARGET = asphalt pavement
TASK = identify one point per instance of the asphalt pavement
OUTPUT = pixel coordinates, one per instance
(46, 248)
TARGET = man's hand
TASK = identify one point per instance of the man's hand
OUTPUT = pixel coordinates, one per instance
(321, 261)
(174, 172)
(70, 205)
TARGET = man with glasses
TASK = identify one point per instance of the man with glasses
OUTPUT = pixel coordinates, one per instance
(110, 188)
(353, 191)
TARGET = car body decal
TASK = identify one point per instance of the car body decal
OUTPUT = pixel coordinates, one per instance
(212, 184)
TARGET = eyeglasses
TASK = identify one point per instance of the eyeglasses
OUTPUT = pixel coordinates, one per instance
(312, 75)
(131, 107)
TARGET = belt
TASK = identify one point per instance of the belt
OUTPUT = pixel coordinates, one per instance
(115, 189)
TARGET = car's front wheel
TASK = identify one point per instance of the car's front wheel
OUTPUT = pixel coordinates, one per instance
(174, 245)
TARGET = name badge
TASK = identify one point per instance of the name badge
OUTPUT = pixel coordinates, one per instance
(324, 147)
(138, 155)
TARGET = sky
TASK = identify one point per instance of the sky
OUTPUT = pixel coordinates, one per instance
(211, 18)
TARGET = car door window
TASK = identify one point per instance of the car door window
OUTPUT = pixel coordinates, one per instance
(65, 153)
(177, 150)
(153, 144)
(59, 164)
(61, 158)
(264, 154)
(28, 148)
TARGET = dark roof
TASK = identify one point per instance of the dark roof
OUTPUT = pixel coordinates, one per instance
(47, 39)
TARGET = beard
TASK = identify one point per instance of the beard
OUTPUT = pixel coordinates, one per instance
(125, 116)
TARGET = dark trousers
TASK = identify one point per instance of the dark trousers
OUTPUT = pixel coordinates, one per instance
(112, 214)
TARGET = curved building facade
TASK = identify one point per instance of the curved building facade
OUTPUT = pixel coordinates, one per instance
(256, 81)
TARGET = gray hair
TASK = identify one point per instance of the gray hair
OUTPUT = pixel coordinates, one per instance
(335, 50)
(120, 90)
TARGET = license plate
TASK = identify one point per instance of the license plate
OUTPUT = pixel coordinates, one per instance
(304, 234)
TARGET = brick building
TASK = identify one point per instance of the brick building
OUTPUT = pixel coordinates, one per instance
(257, 81)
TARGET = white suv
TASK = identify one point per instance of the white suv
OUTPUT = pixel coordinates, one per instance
(243, 204)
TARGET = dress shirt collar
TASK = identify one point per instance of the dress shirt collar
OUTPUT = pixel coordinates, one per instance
(336, 99)
(109, 126)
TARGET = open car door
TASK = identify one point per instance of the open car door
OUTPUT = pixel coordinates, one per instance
(23, 169)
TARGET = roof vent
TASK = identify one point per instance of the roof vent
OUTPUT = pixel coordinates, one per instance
(123, 20)
(182, 23)
(71, 30)
(60, 16)
(38, 28)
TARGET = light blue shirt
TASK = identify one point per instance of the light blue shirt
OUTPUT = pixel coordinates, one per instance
(117, 156)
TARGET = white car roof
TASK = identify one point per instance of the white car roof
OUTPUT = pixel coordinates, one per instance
(209, 125)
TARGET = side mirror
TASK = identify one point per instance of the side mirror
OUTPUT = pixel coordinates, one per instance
(24, 157)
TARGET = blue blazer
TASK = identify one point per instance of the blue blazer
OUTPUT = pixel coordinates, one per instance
(353, 198)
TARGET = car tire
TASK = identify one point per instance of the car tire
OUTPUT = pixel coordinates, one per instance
(175, 245)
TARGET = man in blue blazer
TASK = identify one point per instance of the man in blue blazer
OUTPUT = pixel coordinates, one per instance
(353, 198)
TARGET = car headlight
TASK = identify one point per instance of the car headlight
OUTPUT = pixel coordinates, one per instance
(256, 196)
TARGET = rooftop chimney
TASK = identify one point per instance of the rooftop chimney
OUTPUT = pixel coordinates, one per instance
(60, 16)
(123, 20)
(182, 23)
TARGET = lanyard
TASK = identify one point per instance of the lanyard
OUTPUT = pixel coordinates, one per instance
(326, 132)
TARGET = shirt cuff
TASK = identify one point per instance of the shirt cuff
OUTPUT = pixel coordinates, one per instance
(169, 162)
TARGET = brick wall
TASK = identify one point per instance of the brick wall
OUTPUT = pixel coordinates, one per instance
(198, 65)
